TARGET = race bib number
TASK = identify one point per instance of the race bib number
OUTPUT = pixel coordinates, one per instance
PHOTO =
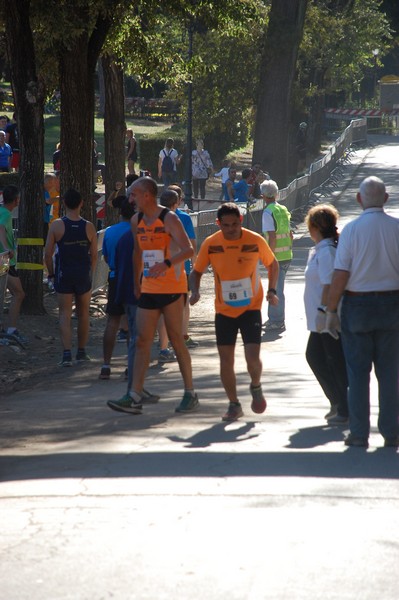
(151, 258)
(237, 292)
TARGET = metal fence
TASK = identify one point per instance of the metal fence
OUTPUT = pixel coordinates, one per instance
(297, 193)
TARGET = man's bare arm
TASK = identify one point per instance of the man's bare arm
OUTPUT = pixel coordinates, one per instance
(194, 282)
(337, 288)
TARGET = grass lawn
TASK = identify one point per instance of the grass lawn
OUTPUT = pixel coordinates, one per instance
(52, 134)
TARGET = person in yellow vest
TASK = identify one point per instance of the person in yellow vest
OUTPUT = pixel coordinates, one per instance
(277, 232)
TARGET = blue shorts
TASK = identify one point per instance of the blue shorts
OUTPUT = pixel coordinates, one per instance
(249, 323)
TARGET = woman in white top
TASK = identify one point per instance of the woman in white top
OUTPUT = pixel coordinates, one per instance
(324, 353)
(201, 169)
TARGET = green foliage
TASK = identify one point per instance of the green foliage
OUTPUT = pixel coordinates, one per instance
(336, 51)
(224, 73)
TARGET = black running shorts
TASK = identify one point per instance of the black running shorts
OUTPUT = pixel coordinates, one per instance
(248, 323)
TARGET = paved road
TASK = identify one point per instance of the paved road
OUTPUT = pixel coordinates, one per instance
(97, 505)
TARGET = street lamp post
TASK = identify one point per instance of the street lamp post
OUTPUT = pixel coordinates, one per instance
(375, 54)
(189, 143)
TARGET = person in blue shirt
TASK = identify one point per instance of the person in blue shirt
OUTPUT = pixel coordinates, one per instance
(5, 153)
(241, 188)
(114, 309)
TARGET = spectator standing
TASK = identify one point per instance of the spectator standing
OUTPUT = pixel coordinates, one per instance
(75, 261)
(131, 150)
(366, 276)
(277, 231)
(234, 254)
(12, 138)
(301, 146)
(229, 185)
(256, 178)
(201, 169)
(7, 244)
(224, 175)
(241, 188)
(167, 163)
(5, 153)
(51, 200)
(97, 166)
(57, 158)
(324, 352)
(114, 309)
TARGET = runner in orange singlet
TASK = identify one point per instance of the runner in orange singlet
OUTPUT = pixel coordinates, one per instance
(160, 248)
(234, 254)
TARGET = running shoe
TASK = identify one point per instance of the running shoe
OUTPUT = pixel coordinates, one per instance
(18, 337)
(166, 356)
(66, 360)
(126, 404)
(190, 343)
(274, 326)
(338, 420)
(82, 356)
(105, 373)
(234, 412)
(188, 404)
(259, 404)
(122, 336)
(148, 398)
(331, 413)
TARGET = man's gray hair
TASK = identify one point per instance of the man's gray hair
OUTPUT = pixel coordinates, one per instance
(269, 188)
(372, 192)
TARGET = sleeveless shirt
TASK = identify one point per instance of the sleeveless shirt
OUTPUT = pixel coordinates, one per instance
(73, 257)
(155, 242)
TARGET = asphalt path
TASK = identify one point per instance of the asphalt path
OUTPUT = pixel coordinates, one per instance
(97, 504)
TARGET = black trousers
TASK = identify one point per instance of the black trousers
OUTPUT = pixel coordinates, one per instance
(199, 183)
(326, 359)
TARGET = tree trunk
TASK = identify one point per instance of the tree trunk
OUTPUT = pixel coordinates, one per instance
(101, 91)
(77, 62)
(114, 129)
(77, 122)
(29, 102)
(284, 34)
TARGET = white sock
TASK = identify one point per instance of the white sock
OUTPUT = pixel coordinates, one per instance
(135, 396)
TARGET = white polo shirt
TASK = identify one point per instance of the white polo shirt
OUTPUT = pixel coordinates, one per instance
(369, 249)
(318, 273)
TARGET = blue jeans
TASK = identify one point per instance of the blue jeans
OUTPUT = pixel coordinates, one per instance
(130, 310)
(276, 314)
(370, 335)
(169, 178)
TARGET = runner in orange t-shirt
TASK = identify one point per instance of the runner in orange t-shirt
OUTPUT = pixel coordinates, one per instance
(234, 254)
